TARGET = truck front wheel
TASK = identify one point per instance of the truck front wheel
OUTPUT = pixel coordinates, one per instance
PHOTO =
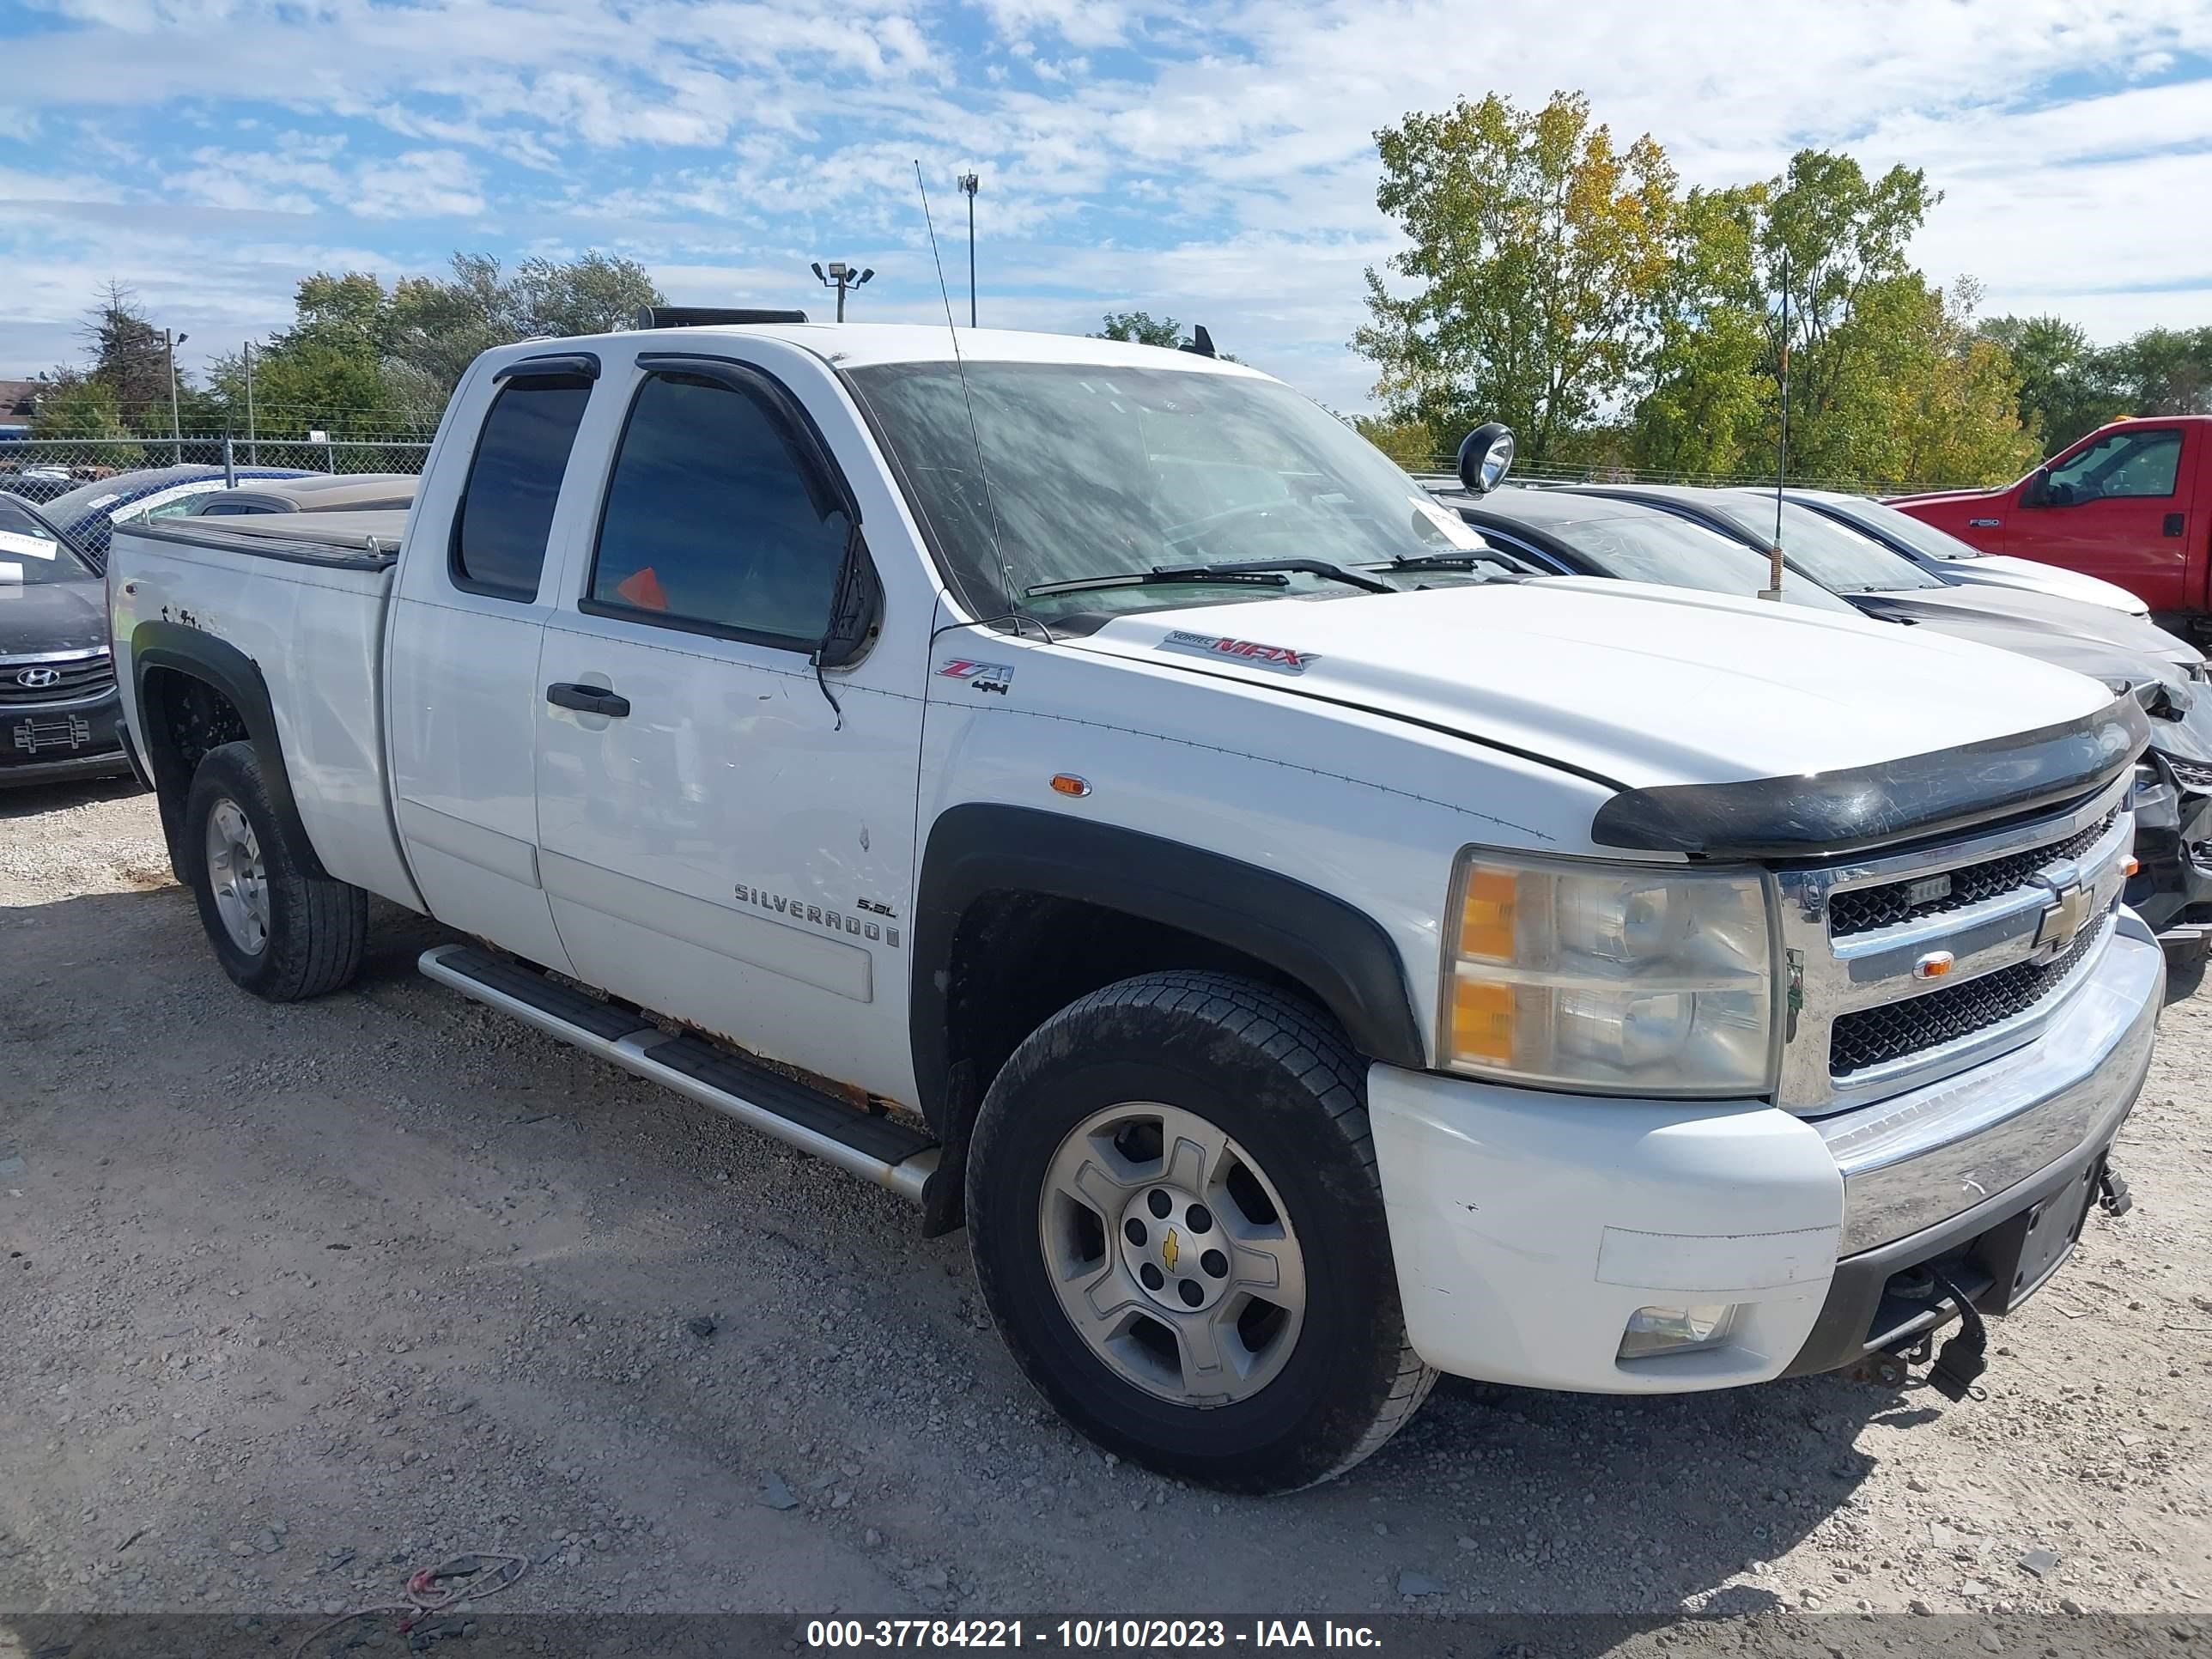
(280, 933)
(1176, 1221)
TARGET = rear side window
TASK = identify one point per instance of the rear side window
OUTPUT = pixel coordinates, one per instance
(507, 506)
(717, 519)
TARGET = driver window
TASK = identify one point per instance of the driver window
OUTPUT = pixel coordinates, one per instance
(715, 520)
(2124, 464)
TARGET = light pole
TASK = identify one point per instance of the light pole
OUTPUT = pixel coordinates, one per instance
(969, 184)
(170, 342)
(842, 276)
(252, 449)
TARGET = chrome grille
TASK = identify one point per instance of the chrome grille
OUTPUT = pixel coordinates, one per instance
(1908, 967)
(2191, 774)
(29, 681)
(1869, 908)
(1875, 1036)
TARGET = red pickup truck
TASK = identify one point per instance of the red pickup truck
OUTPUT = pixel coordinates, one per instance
(2131, 503)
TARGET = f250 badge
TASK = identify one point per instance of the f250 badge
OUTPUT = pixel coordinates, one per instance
(1280, 659)
(980, 675)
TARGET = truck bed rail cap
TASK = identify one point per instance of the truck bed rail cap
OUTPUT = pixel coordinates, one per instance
(1916, 796)
(365, 540)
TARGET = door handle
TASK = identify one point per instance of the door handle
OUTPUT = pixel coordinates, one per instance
(2173, 521)
(587, 699)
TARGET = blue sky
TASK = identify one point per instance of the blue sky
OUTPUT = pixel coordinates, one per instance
(1213, 160)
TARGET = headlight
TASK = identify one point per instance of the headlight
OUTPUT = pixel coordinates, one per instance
(1609, 978)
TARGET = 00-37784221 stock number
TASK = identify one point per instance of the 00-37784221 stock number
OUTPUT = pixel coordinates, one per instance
(1084, 1634)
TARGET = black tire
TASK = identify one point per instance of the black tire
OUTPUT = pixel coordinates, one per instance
(316, 927)
(1278, 1077)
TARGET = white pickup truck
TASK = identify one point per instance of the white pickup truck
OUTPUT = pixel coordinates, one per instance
(1086, 789)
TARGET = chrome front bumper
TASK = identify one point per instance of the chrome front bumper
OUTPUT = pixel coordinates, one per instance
(1916, 1159)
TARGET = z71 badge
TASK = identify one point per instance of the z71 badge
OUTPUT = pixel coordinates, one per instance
(1279, 658)
(981, 676)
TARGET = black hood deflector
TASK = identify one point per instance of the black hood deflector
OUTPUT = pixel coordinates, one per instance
(1849, 811)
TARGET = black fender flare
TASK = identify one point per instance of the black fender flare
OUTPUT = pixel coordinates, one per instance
(1337, 952)
(200, 655)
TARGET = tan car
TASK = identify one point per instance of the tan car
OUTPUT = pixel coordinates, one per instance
(317, 492)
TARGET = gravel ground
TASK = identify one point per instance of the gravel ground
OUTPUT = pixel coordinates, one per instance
(298, 1300)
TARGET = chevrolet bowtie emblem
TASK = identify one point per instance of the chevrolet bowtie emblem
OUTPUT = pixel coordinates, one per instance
(1170, 1248)
(2064, 916)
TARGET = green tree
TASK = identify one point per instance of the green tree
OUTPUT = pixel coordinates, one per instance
(1957, 406)
(1537, 249)
(1710, 388)
(1835, 241)
(2161, 371)
(312, 386)
(360, 361)
(438, 325)
(1140, 328)
(77, 406)
(129, 358)
(2062, 387)
(1887, 380)
(596, 293)
(350, 313)
(1409, 443)
(325, 373)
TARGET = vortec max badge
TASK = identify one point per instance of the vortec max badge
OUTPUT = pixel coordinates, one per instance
(1279, 658)
(980, 675)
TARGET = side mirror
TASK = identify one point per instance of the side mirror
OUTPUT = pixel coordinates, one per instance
(2037, 491)
(856, 609)
(1484, 455)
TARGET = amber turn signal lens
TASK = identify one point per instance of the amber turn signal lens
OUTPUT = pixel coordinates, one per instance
(1068, 784)
(2132, 864)
(1482, 1020)
(1486, 923)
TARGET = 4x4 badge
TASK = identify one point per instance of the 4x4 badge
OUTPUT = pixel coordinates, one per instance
(980, 675)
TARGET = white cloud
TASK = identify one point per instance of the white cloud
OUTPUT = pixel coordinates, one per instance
(1213, 161)
(421, 183)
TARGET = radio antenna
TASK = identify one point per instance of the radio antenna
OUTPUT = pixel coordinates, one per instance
(974, 435)
(1782, 449)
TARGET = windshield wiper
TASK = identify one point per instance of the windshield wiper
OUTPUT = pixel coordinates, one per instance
(1335, 573)
(1449, 561)
(1256, 572)
(1166, 573)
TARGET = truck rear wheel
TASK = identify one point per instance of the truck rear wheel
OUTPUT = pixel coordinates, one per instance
(279, 933)
(1176, 1221)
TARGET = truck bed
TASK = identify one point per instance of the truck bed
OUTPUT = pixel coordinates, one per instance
(303, 598)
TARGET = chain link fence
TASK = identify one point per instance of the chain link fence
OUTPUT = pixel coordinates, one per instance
(1441, 472)
(39, 469)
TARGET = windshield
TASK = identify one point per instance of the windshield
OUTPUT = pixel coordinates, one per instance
(1673, 552)
(1841, 560)
(30, 553)
(1097, 471)
(1923, 537)
(86, 499)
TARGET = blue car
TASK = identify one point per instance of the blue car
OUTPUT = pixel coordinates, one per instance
(87, 513)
